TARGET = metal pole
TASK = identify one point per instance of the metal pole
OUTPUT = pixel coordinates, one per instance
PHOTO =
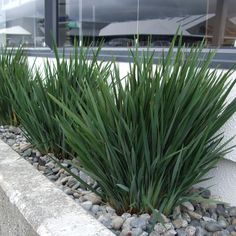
(80, 25)
(220, 22)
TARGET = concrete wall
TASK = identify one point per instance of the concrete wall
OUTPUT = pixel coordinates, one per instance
(31, 205)
(224, 176)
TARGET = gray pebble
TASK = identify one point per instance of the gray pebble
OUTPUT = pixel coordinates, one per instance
(105, 220)
(27, 152)
(139, 223)
(181, 232)
(52, 177)
(200, 231)
(232, 211)
(117, 222)
(190, 230)
(221, 233)
(87, 205)
(212, 227)
(222, 222)
(136, 231)
(95, 209)
(188, 205)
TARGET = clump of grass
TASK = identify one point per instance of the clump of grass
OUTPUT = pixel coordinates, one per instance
(36, 111)
(148, 138)
(13, 67)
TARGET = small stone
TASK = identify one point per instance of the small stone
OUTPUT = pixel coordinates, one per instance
(200, 231)
(186, 217)
(117, 222)
(64, 180)
(52, 177)
(212, 227)
(95, 209)
(144, 234)
(165, 219)
(38, 154)
(50, 165)
(64, 164)
(222, 222)
(126, 232)
(139, 222)
(41, 168)
(233, 222)
(169, 226)
(68, 191)
(11, 142)
(105, 220)
(194, 215)
(15, 130)
(208, 205)
(87, 205)
(208, 219)
(56, 170)
(221, 233)
(190, 230)
(27, 152)
(154, 233)
(230, 228)
(232, 211)
(188, 205)
(24, 146)
(95, 199)
(71, 182)
(195, 223)
(205, 193)
(75, 171)
(76, 186)
(160, 228)
(181, 232)
(125, 216)
(110, 210)
(214, 216)
(127, 223)
(76, 195)
(170, 232)
(180, 223)
(176, 213)
(136, 231)
(220, 210)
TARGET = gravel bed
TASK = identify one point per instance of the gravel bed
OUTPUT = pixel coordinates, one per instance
(205, 219)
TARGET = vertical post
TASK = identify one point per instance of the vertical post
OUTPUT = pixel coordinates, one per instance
(80, 23)
(51, 22)
(94, 19)
(220, 22)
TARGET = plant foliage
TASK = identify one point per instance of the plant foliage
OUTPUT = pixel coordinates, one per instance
(37, 112)
(14, 67)
(149, 137)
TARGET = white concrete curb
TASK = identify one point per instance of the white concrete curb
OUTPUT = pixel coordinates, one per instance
(31, 205)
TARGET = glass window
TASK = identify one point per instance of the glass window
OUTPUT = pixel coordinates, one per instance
(114, 22)
(155, 22)
(22, 23)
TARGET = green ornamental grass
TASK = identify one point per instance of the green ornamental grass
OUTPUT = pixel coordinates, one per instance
(149, 137)
(13, 67)
(36, 111)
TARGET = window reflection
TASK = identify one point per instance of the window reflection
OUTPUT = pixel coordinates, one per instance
(22, 23)
(106, 20)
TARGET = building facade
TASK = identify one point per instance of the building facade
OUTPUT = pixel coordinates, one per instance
(33, 23)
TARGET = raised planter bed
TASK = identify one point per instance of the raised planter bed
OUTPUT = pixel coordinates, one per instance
(42, 207)
(31, 205)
